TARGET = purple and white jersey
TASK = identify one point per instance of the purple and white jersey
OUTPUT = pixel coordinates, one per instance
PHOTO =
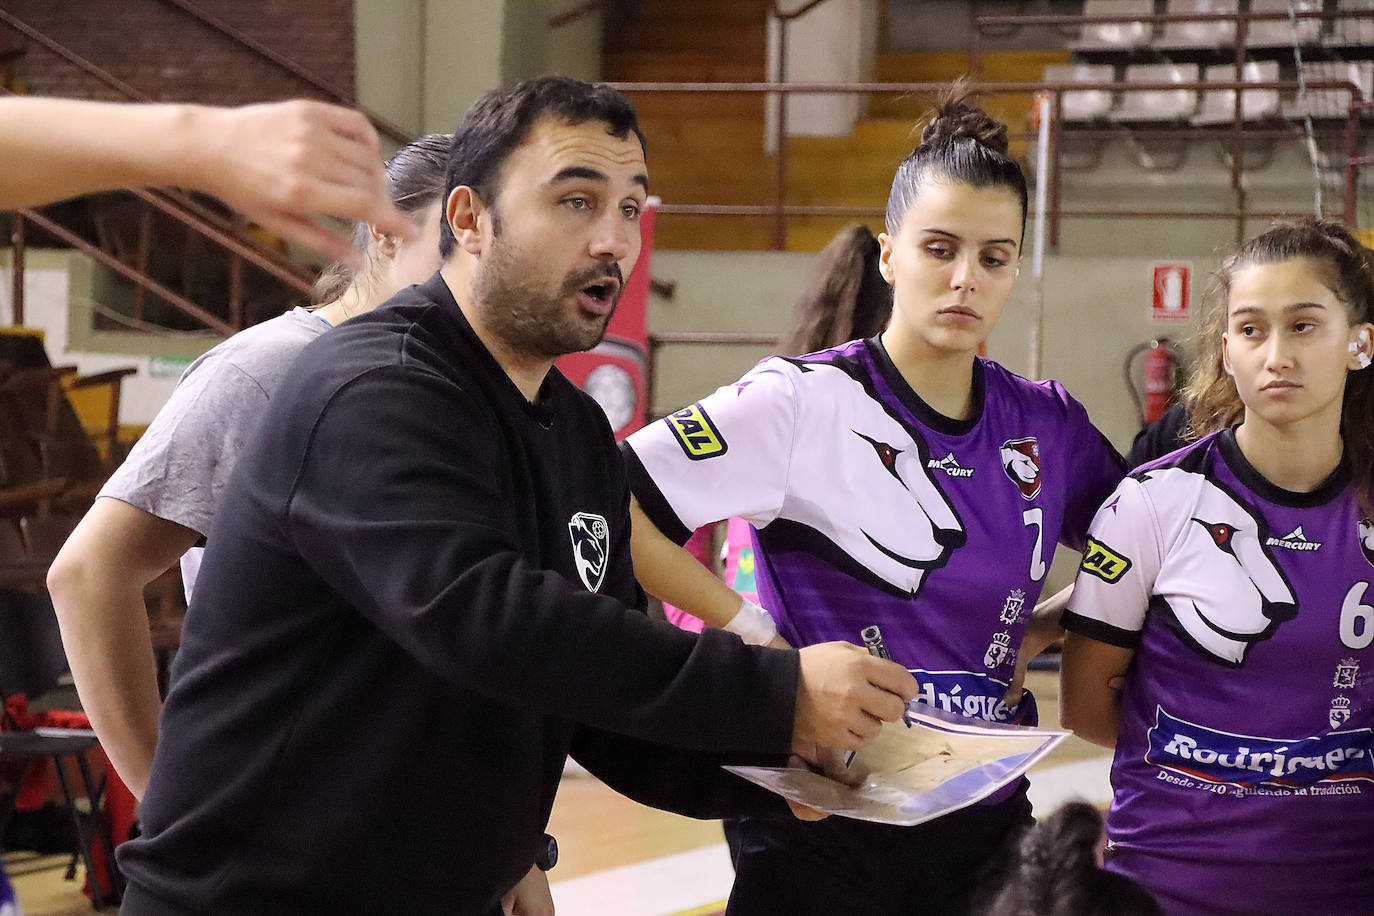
(1242, 778)
(869, 507)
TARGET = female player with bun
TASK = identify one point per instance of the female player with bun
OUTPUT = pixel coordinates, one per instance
(901, 481)
(1222, 625)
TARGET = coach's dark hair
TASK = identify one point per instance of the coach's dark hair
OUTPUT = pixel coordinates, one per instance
(1056, 873)
(414, 179)
(961, 144)
(1349, 274)
(499, 121)
(847, 298)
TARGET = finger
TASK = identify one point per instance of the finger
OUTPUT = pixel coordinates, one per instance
(882, 706)
(891, 677)
(312, 197)
(345, 122)
(829, 762)
(803, 813)
(333, 151)
(865, 726)
(301, 230)
(358, 195)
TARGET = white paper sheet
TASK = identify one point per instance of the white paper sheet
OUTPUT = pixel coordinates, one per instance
(942, 763)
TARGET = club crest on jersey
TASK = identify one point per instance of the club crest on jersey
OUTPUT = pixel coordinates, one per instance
(1367, 539)
(999, 651)
(696, 433)
(1246, 760)
(1347, 674)
(1013, 606)
(1295, 540)
(950, 465)
(1021, 461)
(591, 545)
(1340, 712)
(1104, 562)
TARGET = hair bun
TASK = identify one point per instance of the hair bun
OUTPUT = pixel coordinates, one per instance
(955, 119)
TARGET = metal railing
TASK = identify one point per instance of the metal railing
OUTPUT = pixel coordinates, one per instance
(1004, 25)
(780, 210)
(179, 206)
(657, 342)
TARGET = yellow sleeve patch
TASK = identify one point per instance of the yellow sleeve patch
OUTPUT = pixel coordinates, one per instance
(696, 433)
(1104, 562)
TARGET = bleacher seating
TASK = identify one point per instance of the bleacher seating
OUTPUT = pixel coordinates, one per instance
(1278, 33)
(1175, 36)
(1353, 32)
(1115, 36)
(1219, 105)
(1088, 104)
(1331, 103)
(1162, 104)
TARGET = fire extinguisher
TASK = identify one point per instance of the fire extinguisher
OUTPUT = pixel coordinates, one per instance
(1161, 373)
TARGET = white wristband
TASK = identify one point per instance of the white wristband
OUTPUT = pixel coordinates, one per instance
(752, 624)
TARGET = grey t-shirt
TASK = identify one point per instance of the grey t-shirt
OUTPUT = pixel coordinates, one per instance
(179, 468)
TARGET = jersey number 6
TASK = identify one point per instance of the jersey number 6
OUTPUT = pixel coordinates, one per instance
(1357, 620)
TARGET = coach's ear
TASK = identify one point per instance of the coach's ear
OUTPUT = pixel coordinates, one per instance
(466, 214)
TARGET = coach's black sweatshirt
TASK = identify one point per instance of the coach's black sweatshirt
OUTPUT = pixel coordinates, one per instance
(417, 598)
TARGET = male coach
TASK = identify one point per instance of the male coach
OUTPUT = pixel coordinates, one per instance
(418, 597)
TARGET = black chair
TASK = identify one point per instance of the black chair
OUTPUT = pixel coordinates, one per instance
(32, 662)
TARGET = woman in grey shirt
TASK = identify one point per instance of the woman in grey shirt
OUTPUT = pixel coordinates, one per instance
(159, 504)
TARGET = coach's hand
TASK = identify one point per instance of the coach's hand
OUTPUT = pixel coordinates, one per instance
(531, 897)
(844, 695)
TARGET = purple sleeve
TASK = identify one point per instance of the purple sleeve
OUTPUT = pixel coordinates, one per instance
(1095, 469)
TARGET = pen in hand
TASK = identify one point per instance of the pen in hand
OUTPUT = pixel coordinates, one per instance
(873, 640)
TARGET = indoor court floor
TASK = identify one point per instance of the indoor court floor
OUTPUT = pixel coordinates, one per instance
(619, 858)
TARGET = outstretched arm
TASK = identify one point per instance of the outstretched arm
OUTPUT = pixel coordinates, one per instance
(280, 164)
(97, 584)
(671, 574)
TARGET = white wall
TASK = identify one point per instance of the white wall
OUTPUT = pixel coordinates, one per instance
(421, 63)
(833, 43)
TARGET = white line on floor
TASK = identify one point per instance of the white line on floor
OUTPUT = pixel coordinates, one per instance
(671, 884)
(653, 888)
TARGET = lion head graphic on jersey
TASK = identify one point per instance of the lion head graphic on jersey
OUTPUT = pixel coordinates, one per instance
(880, 512)
(1235, 595)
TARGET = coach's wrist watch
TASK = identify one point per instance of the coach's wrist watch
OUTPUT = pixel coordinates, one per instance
(548, 853)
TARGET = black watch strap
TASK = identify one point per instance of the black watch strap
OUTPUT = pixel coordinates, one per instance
(547, 856)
